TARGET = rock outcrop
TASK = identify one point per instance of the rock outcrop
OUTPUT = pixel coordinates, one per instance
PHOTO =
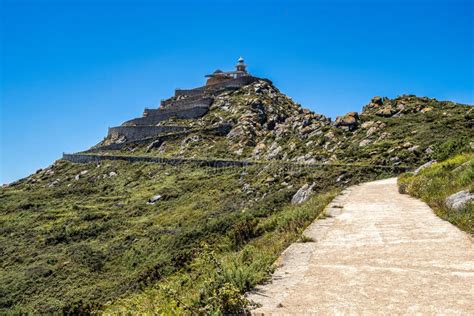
(348, 121)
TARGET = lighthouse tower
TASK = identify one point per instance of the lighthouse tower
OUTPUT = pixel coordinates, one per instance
(241, 67)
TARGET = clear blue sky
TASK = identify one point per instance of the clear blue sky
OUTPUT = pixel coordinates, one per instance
(70, 69)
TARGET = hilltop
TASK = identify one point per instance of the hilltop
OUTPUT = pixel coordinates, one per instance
(111, 229)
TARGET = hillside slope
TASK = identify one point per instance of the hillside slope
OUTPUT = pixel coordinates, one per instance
(117, 235)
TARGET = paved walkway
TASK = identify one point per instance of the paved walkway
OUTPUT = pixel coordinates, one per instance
(380, 252)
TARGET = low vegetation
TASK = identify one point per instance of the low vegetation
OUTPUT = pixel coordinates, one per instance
(149, 238)
(437, 182)
(90, 231)
(214, 282)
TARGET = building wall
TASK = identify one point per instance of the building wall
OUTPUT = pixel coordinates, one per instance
(216, 79)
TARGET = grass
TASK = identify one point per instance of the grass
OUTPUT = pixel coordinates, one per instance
(75, 246)
(215, 281)
(434, 184)
(78, 239)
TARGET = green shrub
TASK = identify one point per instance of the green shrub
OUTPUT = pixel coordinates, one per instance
(434, 184)
(451, 147)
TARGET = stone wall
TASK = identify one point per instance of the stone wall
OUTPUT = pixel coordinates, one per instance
(171, 101)
(183, 104)
(219, 163)
(160, 115)
(216, 163)
(218, 130)
(189, 92)
(132, 133)
(233, 83)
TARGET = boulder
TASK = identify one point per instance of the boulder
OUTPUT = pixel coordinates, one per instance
(154, 199)
(377, 100)
(371, 131)
(302, 194)
(274, 151)
(424, 166)
(78, 176)
(387, 111)
(367, 124)
(459, 200)
(364, 142)
(54, 183)
(259, 149)
(348, 121)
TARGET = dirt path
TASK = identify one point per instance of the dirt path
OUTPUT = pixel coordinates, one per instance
(381, 253)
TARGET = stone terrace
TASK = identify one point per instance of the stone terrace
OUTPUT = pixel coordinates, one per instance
(185, 104)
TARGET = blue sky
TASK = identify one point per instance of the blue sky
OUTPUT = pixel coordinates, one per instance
(70, 69)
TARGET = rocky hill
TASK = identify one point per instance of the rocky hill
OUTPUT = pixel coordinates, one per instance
(258, 122)
(185, 235)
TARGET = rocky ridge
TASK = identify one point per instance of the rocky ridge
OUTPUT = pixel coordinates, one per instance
(265, 124)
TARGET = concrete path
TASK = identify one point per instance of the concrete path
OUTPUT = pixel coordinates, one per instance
(380, 252)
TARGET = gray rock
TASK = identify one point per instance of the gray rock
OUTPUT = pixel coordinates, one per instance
(54, 183)
(371, 131)
(154, 199)
(341, 177)
(364, 142)
(368, 124)
(275, 150)
(83, 172)
(429, 150)
(302, 194)
(458, 201)
(424, 166)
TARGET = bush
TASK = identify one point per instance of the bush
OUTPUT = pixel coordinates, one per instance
(85, 255)
(434, 184)
(452, 147)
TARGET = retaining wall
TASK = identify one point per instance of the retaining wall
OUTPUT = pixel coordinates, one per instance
(132, 133)
(173, 100)
(189, 92)
(232, 83)
(88, 158)
(91, 158)
(219, 130)
(179, 105)
(160, 115)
